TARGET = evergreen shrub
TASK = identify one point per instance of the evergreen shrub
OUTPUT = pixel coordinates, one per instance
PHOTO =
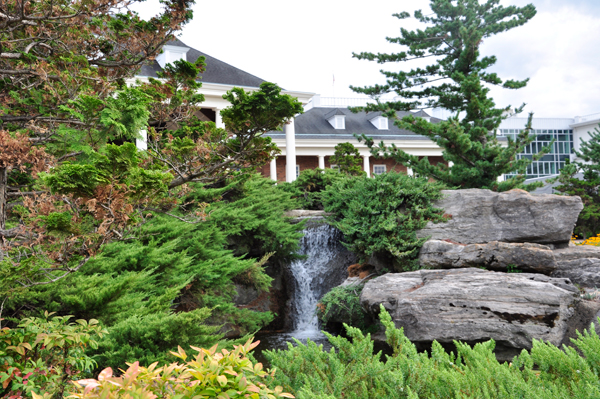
(175, 284)
(351, 370)
(380, 215)
(342, 305)
(310, 184)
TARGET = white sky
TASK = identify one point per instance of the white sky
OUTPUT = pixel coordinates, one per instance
(302, 45)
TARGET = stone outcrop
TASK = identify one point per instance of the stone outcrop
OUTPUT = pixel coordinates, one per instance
(479, 216)
(580, 264)
(474, 305)
(495, 255)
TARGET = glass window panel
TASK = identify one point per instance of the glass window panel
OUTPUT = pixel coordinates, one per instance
(534, 168)
(378, 169)
(552, 168)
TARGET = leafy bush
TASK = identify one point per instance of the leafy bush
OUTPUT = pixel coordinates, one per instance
(342, 305)
(175, 284)
(310, 184)
(42, 355)
(381, 215)
(351, 369)
(210, 374)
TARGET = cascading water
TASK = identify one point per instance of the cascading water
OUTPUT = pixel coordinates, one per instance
(320, 245)
(324, 267)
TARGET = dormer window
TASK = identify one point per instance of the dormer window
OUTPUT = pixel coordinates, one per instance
(337, 119)
(380, 122)
(170, 54)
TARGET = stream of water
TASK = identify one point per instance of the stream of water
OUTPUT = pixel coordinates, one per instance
(313, 277)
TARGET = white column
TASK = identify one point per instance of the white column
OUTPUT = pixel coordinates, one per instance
(410, 172)
(366, 165)
(142, 142)
(321, 161)
(290, 152)
(274, 169)
(218, 119)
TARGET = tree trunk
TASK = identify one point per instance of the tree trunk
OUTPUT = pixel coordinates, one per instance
(3, 196)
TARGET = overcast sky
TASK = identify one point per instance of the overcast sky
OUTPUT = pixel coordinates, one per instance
(302, 45)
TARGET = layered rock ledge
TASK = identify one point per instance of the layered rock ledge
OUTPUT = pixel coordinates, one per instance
(474, 305)
(478, 216)
(495, 255)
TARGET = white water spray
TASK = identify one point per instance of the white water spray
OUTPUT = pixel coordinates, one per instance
(319, 245)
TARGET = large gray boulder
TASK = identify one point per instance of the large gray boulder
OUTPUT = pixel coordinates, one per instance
(580, 264)
(474, 305)
(495, 255)
(479, 216)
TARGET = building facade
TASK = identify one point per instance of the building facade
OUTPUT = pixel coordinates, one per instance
(562, 135)
(309, 141)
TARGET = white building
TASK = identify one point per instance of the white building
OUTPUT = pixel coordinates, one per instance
(567, 134)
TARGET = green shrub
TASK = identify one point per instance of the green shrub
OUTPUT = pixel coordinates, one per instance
(42, 355)
(348, 159)
(310, 184)
(351, 369)
(342, 305)
(210, 374)
(381, 215)
(175, 284)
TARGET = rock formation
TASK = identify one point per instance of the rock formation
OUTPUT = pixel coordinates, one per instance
(500, 232)
(480, 216)
(474, 305)
(495, 255)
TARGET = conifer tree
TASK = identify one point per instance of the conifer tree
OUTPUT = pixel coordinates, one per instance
(588, 223)
(456, 81)
(64, 103)
(348, 159)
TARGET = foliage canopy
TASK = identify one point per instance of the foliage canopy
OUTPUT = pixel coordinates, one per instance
(456, 81)
(348, 159)
(380, 215)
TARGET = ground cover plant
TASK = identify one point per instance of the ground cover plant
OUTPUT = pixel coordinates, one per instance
(352, 370)
(380, 215)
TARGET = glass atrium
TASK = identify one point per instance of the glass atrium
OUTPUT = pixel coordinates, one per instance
(554, 160)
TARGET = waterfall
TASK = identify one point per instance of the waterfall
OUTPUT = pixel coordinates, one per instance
(313, 276)
(324, 267)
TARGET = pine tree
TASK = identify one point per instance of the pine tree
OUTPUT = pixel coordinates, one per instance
(456, 82)
(587, 188)
(348, 159)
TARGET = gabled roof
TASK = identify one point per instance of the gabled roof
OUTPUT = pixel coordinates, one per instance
(217, 71)
(313, 124)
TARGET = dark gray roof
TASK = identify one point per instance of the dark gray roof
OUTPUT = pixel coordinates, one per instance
(313, 124)
(216, 71)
